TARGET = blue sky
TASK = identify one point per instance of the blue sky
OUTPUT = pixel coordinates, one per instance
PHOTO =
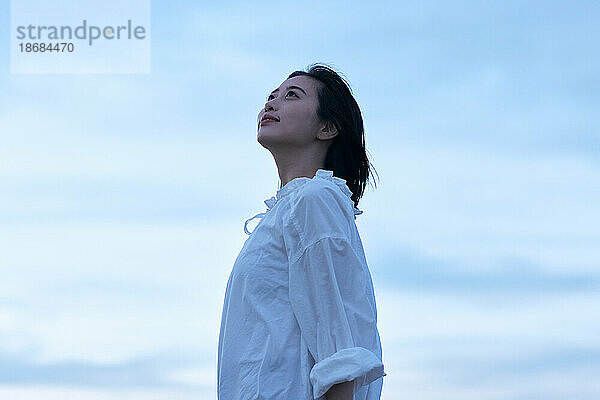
(124, 197)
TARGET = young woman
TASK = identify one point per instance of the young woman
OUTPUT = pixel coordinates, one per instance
(299, 319)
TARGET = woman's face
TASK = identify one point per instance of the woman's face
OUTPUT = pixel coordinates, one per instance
(294, 105)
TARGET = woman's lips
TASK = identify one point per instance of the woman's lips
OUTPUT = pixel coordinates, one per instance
(266, 121)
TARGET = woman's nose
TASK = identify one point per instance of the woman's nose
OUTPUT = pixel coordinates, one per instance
(269, 105)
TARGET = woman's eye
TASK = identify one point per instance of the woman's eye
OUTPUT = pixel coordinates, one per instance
(270, 96)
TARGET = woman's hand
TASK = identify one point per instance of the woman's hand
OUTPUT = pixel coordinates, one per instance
(341, 391)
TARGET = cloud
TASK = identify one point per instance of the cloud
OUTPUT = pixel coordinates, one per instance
(478, 208)
(495, 346)
(63, 392)
(406, 270)
(142, 372)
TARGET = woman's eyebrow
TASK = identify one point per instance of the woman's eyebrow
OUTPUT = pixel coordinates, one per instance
(291, 87)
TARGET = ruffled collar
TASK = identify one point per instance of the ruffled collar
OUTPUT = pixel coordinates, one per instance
(299, 181)
(296, 183)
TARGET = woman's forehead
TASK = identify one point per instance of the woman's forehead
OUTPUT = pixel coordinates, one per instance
(307, 83)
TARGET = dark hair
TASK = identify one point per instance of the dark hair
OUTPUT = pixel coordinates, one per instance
(347, 155)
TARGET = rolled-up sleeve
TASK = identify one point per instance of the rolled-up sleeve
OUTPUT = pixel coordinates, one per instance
(330, 297)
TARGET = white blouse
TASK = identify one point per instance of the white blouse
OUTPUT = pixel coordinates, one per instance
(299, 313)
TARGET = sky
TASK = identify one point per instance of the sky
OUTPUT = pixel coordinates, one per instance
(123, 197)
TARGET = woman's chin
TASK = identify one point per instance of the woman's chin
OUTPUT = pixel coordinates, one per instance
(269, 139)
(267, 133)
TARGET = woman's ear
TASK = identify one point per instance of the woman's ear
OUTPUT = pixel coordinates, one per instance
(328, 131)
